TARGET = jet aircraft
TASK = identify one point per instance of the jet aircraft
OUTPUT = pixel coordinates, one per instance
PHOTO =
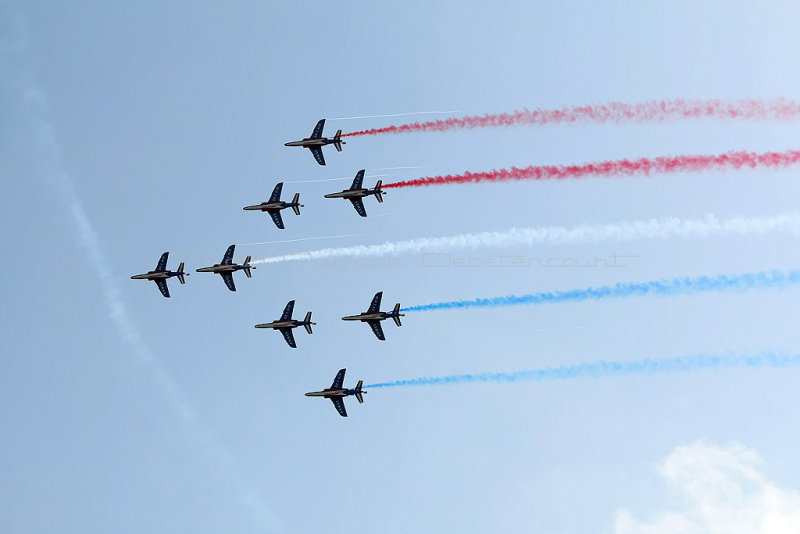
(336, 393)
(274, 205)
(286, 323)
(161, 274)
(373, 316)
(226, 268)
(356, 193)
(316, 142)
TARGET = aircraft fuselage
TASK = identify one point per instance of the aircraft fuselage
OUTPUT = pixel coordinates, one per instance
(155, 275)
(276, 325)
(222, 268)
(363, 317)
(269, 206)
(352, 193)
(328, 393)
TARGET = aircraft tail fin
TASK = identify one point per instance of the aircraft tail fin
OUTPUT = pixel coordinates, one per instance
(396, 315)
(308, 322)
(337, 141)
(359, 393)
(181, 274)
(296, 204)
(378, 192)
(247, 266)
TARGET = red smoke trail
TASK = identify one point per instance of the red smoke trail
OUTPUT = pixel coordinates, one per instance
(618, 112)
(621, 167)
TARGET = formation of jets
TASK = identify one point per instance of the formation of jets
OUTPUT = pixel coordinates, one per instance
(286, 324)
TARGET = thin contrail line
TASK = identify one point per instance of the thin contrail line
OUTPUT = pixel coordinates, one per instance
(605, 369)
(623, 231)
(338, 179)
(398, 168)
(305, 239)
(395, 115)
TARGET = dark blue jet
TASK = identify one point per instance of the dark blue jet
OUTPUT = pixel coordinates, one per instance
(286, 323)
(274, 205)
(161, 274)
(373, 316)
(226, 268)
(356, 193)
(336, 393)
(316, 142)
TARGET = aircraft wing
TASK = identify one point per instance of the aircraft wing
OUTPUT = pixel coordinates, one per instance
(358, 204)
(317, 152)
(162, 286)
(228, 279)
(377, 330)
(287, 311)
(276, 193)
(339, 380)
(338, 402)
(227, 259)
(358, 180)
(162, 262)
(375, 305)
(289, 337)
(276, 218)
(317, 133)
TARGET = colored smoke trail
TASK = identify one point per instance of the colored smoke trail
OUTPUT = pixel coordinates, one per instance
(604, 369)
(614, 112)
(660, 288)
(623, 231)
(733, 160)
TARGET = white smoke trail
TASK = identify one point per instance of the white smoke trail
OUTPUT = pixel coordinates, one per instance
(396, 115)
(664, 228)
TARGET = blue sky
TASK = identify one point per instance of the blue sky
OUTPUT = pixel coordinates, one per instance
(130, 130)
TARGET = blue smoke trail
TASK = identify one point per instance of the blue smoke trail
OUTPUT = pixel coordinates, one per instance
(661, 288)
(603, 369)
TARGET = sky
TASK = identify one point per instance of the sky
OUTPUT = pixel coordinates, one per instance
(130, 130)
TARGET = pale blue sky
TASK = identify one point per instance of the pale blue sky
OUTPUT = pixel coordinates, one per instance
(167, 119)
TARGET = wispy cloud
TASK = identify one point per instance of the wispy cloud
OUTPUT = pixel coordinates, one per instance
(722, 490)
(34, 100)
